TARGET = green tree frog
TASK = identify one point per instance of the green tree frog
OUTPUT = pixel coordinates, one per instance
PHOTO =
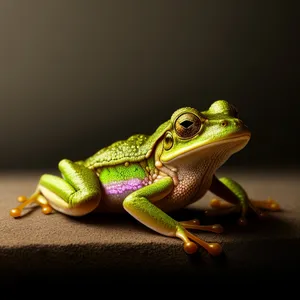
(149, 176)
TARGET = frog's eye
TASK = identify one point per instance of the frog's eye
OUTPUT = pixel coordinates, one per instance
(187, 125)
(168, 141)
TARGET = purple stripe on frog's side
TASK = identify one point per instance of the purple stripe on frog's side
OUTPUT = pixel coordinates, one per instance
(123, 186)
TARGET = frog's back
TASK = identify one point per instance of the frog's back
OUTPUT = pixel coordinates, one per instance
(134, 149)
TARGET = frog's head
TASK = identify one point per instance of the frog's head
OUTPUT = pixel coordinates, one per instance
(213, 135)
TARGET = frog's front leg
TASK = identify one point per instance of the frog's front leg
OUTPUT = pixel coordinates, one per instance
(140, 205)
(236, 199)
(76, 193)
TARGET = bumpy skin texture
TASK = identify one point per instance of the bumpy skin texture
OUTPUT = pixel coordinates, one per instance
(136, 148)
(149, 175)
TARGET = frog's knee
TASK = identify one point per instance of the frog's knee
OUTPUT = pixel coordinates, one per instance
(59, 204)
(65, 163)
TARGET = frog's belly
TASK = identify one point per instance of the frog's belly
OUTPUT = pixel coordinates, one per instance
(193, 184)
(114, 193)
(191, 187)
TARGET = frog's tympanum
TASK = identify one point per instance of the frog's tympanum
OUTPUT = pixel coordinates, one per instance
(149, 176)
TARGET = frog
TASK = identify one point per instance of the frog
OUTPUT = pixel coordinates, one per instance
(151, 176)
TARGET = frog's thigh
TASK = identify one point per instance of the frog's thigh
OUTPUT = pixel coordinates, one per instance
(61, 204)
(77, 194)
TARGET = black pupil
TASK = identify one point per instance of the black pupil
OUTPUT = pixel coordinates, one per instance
(186, 124)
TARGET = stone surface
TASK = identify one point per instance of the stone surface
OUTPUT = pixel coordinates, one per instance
(117, 247)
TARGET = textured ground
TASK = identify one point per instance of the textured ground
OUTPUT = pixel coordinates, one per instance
(114, 247)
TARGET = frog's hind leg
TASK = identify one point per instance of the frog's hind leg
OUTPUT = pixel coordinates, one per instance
(76, 194)
(237, 200)
(255, 205)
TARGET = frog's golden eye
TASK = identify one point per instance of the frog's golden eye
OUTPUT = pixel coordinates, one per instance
(187, 125)
(168, 141)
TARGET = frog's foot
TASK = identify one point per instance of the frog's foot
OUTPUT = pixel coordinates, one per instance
(36, 198)
(189, 246)
(259, 207)
(222, 208)
(190, 242)
(195, 224)
(268, 205)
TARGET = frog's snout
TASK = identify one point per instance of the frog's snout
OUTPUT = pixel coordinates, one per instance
(235, 125)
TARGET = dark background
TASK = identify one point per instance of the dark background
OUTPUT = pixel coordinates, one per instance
(77, 75)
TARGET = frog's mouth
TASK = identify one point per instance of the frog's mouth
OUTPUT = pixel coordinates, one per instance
(220, 150)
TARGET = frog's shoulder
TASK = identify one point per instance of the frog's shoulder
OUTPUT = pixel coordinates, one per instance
(134, 149)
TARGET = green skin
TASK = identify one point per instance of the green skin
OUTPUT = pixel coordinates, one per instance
(148, 176)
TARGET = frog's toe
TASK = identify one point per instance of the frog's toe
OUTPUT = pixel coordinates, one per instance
(191, 222)
(191, 243)
(268, 205)
(35, 198)
(195, 224)
(190, 247)
(22, 199)
(261, 207)
(47, 209)
(221, 207)
(213, 249)
(217, 203)
(15, 212)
